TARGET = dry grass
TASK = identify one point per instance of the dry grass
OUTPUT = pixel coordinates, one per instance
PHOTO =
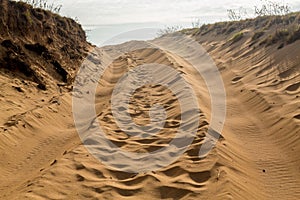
(267, 30)
(237, 37)
(257, 35)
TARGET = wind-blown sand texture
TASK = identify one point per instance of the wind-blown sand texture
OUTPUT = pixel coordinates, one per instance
(257, 156)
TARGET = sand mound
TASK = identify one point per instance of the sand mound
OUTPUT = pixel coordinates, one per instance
(257, 157)
(39, 46)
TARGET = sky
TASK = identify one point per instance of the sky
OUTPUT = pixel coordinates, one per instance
(104, 19)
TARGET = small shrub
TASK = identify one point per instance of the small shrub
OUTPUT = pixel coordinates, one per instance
(279, 35)
(294, 35)
(258, 35)
(282, 33)
(237, 37)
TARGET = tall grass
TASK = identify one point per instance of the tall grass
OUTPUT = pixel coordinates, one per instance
(267, 8)
(44, 4)
(168, 30)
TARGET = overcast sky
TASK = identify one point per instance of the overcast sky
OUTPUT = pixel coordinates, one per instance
(114, 14)
(141, 11)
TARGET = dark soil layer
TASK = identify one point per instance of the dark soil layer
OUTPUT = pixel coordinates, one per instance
(38, 45)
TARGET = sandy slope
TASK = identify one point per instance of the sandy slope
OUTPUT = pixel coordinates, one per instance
(42, 156)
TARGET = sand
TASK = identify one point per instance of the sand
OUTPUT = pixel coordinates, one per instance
(257, 156)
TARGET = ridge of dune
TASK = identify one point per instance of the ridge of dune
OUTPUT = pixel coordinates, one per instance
(257, 156)
(262, 79)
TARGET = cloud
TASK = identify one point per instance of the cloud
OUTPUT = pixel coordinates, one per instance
(145, 11)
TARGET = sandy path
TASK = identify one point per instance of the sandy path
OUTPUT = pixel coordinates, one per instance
(256, 159)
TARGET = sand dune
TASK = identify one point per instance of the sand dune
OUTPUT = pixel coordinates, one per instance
(256, 157)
